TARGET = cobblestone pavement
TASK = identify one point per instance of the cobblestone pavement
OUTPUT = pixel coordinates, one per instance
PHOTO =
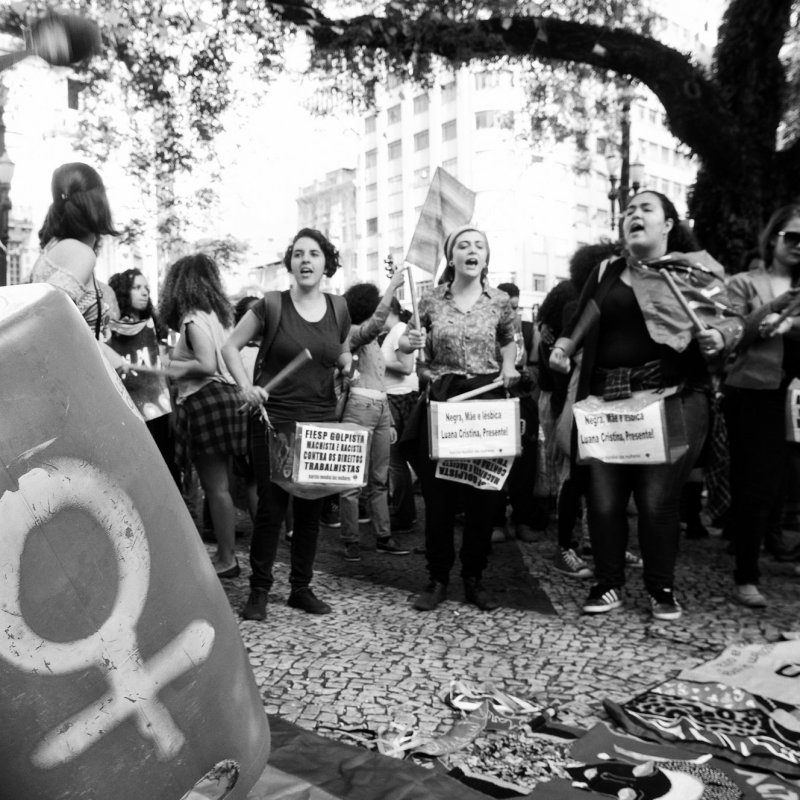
(376, 660)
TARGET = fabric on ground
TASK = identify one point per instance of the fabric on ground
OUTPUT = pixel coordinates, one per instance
(714, 718)
(305, 766)
(769, 670)
(506, 576)
(751, 784)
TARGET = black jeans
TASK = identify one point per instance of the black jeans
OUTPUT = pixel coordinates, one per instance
(756, 433)
(272, 504)
(656, 489)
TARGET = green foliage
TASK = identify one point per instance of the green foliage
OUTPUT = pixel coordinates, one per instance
(228, 251)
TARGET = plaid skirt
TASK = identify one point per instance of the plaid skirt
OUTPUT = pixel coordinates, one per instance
(209, 422)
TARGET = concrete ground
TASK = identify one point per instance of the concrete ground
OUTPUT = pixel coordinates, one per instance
(376, 661)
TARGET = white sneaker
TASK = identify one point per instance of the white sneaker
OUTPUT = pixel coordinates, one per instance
(749, 595)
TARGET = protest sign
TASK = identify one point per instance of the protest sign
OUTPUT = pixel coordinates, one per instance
(646, 428)
(481, 473)
(474, 429)
(312, 460)
(793, 411)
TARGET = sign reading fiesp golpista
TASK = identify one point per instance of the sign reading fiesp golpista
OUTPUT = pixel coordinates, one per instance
(475, 429)
(331, 454)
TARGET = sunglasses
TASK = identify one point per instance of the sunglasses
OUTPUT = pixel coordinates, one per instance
(790, 238)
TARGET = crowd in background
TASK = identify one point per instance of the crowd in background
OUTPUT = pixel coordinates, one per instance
(197, 368)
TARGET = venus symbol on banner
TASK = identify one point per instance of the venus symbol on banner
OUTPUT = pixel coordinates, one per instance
(113, 648)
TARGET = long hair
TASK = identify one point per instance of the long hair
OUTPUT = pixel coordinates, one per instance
(331, 254)
(680, 239)
(193, 283)
(80, 205)
(122, 283)
(362, 300)
(775, 224)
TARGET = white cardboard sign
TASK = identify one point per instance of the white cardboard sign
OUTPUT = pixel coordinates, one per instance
(627, 431)
(475, 429)
(331, 455)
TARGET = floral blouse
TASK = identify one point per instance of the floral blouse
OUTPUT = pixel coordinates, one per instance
(465, 342)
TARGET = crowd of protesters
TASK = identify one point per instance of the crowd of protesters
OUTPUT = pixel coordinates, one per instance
(617, 327)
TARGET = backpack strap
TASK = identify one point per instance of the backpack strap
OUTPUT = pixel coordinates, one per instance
(341, 315)
(272, 301)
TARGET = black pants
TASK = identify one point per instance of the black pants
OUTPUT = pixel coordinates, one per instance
(272, 504)
(756, 432)
(656, 488)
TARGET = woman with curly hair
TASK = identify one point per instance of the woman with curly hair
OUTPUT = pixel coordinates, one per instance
(307, 318)
(208, 428)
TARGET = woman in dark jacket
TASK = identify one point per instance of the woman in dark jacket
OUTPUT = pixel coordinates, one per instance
(639, 344)
(755, 392)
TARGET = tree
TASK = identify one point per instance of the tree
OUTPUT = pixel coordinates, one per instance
(729, 115)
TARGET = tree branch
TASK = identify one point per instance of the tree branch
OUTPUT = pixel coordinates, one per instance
(696, 112)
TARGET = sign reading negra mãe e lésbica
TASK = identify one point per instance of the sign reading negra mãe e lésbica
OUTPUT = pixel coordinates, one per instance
(475, 429)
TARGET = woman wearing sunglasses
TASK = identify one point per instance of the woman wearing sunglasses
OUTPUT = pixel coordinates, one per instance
(755, 392)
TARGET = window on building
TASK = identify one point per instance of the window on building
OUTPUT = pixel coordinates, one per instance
(665, 154)
(395, 184)
(396, 221)
(582, 214)
(449, 131)
(395, 149)
(74, 89)
(422, 174)
(393, 81)
(451, 166)
(539, 283)
(485, 119)
(372, 226)
(372, 261)
(371, 192)
(653, 114)
(449, 92)
(393, 114)
(421, 141)
(420, 104)
(369, 124)
(371, 159)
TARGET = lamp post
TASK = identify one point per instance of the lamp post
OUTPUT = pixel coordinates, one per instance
(6, 174)
(624, 177)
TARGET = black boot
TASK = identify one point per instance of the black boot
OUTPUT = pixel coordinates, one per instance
(478, 596)
(434, 594)
(691, 503)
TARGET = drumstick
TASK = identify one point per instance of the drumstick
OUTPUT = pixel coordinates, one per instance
(495, 384)
(297, 362)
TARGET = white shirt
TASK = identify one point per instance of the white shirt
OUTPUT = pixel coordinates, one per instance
(396, 382)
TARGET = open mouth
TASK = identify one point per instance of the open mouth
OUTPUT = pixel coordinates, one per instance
(471, 261)
(636, 227)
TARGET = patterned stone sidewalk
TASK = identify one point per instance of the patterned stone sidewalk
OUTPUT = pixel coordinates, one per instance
(376, 661)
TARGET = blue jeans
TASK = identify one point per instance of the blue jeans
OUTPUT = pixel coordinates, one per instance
(373, 414)
(656, 489)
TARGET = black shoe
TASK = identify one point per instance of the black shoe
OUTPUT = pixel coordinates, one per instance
(434, 594)
(352, 551)
(231, 572)
(256, 605)
(602, 599)
(664, 605)
(307, 601)
(389, 545)
(478, 596)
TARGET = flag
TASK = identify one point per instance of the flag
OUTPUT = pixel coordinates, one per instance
(448, 205)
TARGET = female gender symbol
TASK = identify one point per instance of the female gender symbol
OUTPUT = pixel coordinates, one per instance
(113, 648)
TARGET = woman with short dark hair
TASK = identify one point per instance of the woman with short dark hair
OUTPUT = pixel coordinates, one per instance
(308, 318)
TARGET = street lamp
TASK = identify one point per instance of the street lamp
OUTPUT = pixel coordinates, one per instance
(6, 174)
(624, 177)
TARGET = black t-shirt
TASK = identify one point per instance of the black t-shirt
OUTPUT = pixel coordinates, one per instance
(307, 395)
